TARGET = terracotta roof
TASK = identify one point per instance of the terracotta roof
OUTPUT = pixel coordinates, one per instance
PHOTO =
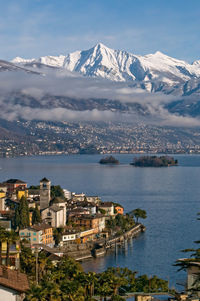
(13, 279)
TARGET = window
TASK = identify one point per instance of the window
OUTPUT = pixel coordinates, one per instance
(34, 233)
(34, 239)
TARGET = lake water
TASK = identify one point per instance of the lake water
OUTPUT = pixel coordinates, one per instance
(171, 197)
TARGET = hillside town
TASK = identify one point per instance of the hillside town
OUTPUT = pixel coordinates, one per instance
(46, 230)
(57, 223)
(27, 138)
(82, 218)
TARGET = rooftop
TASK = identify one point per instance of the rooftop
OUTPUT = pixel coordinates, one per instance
(44, 180)
(55, 208)
(106, 204)
(13, 279)
(14, 181)
(39, 227)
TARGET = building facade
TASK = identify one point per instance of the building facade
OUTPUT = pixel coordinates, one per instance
(54, 215)
(38, 234)
(13, 184)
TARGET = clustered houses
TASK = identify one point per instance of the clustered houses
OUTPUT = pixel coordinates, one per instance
(81, 217)
(38, 234)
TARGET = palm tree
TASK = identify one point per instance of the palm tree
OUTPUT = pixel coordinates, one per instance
(88, 281)
(35, 293)
(116, 277)
(72, 290)
(102, 287)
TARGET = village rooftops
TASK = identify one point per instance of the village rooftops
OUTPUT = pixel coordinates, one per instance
(14, 181)
(70, 232)
(78, 209)
(86, 204)
(13, 279)
(106, 204)
(88, 216)
(58, 200)
(39, 227)
(55, 208)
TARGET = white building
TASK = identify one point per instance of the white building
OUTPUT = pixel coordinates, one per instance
(67, 194)
(69, 236)
(108, 207)
(55, 215)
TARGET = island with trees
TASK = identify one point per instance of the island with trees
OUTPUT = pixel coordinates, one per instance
(109, 160)
(154, 161)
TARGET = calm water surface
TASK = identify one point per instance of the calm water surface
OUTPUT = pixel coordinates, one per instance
(171, 197)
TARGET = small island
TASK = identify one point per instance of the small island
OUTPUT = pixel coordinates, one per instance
(109, 160)
(154, 161)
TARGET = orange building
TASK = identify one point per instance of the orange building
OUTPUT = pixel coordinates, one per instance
(97, 222)
(47, 233)
(119, 210)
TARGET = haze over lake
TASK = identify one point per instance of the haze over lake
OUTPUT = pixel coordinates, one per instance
(171, 197)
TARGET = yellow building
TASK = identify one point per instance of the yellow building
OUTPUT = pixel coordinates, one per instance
(2, 193)
(38, 234)
(22, 192)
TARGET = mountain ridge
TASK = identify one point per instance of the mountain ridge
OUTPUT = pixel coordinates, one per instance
(119, 65)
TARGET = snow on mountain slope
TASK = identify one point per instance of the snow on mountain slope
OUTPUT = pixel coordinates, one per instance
(52, 61)
(7, 66)
(154, 72)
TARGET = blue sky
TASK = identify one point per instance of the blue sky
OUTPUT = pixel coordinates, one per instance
(33, 28)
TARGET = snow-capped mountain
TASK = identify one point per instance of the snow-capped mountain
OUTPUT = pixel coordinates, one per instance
(51, 61)
(100, 61)
(7, 66)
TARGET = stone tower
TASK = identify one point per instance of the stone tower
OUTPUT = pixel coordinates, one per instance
(45, 193)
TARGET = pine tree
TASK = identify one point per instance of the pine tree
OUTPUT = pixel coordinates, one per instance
(36, 218)
(21, 219)
(17, 219)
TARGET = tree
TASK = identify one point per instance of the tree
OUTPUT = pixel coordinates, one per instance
(35, 293)
(36, 217)
(116, 277)
(27, 261)
(8, 237)
(56, 191)
(21, 219)
(139, 213)
(57, 235)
